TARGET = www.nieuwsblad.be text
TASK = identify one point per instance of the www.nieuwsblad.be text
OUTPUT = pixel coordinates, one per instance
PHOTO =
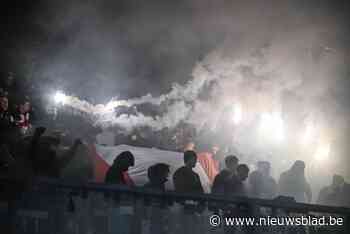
(216, 220)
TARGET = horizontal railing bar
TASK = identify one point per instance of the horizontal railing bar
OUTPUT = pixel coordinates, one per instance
(100, 187)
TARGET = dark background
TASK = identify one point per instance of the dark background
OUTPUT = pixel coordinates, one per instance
(112, 48)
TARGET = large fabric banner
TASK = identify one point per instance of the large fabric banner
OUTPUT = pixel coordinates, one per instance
(144, 158)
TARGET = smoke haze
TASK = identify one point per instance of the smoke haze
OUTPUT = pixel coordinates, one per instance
(196, 60)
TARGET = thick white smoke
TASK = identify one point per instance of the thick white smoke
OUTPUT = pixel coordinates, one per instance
(278, 79)
(255, 77)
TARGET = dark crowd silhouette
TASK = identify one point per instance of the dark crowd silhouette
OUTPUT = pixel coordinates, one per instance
(27, 152)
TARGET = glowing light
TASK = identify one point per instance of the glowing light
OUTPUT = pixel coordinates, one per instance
(322, 152)
(272, 126)
(60, 98)
(237, 113)
(307, 135)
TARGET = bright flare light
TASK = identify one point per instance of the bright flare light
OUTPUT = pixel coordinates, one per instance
(272, 125)
(309, 135)
(60, 98)
(322, 152)
(237, 113)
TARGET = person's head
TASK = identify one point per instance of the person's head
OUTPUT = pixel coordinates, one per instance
(124, 160)
(189, 146)
(4, 103)
(231, 163)
(242, 172)
(298, 167)
(21, 109)
(264, 168)
(338, 181)
(27, 106)
(158, 173)
(190, 158)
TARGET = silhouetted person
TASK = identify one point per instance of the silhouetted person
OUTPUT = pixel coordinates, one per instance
(158, 175)
(43, 155)
(185, 179)
(293, 183)
(6, 122)
(81, 167)
(118, 172)
(235, 186)
(231, 163)
(262, 184)
(336, 194)
(22, 117)
(190, 146)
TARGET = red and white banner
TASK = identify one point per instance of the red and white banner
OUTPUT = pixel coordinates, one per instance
(103, 157)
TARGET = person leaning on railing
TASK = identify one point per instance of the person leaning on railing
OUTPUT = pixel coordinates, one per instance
(118, 172)
(187, 181)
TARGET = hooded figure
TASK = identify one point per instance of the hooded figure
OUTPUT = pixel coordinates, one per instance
(262, 184)
(118, 172)
(293, 183)
(336, 194)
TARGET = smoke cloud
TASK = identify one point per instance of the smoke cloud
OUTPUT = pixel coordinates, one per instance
(196, 61)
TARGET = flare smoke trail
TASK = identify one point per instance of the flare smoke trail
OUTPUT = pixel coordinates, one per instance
(184, 98)
(273, 58)
(260, 79)
(256, 79)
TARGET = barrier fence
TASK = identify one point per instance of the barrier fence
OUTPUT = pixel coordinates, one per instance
(59, 207)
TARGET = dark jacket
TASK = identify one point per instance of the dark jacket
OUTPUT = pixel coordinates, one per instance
(187, 181)
(219, 182)
(114, 176)
(235, 187)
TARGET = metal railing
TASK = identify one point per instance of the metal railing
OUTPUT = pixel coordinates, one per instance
(60, 207)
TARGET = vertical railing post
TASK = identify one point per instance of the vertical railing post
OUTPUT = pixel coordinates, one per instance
(11, 212)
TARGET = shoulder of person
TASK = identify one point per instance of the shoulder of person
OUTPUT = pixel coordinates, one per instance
(233, 179)
(178, 171)
(255, 175)
(224, 173)
(283, 175)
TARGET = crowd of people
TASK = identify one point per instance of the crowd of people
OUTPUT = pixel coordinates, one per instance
(234, 180)
(24, 150)
(37, 155)
(15, 111)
